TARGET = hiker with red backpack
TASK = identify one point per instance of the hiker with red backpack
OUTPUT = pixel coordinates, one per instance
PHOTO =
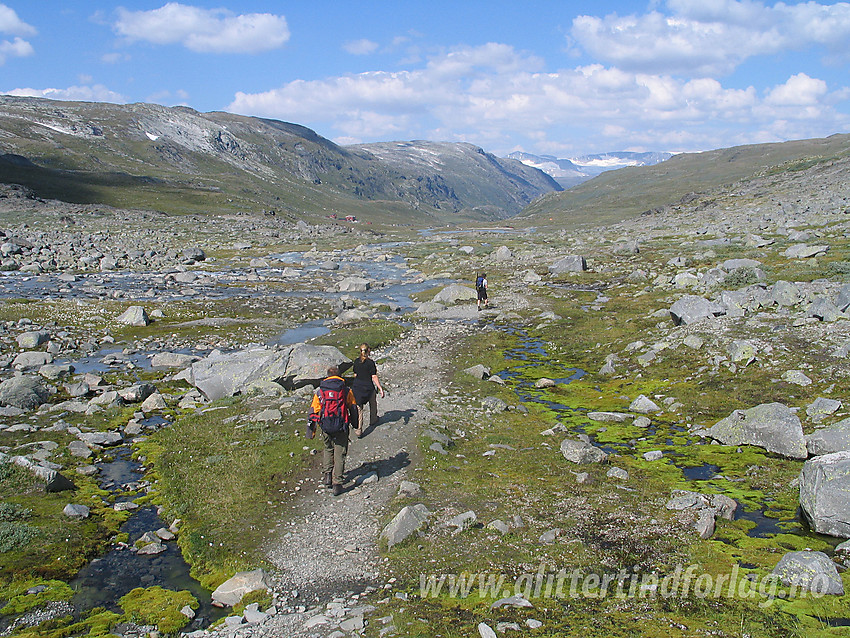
(334, 410)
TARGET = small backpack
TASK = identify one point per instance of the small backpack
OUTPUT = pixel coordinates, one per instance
(479, 283)
(333, 416)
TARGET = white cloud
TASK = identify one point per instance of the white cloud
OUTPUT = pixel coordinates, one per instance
(94, 93)
(799, 90)
(114, 58)
(360, 47)
(204, 30)
(711, 38)
(495, 95)
(17, 48)
(11, 24)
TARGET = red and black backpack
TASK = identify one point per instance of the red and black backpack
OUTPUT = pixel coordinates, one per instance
(333, 415)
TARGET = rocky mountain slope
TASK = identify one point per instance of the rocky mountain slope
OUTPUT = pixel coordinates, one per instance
(448, 175)
(179, 160)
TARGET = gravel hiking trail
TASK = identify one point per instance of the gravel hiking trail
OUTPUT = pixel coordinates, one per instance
(329, 548)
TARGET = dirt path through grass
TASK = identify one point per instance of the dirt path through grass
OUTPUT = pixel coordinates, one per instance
(329, 550)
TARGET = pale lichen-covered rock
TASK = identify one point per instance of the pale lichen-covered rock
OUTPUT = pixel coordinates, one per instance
(771, 426)
(231, 591)
(25, 392)
(691, 308)
(222, 375)
(454, 293)
(824, 486)
(134, 316)
(828, 440)
(570, 263)
(581, 453)
(644, 405)
(811, 571)
(405, 523)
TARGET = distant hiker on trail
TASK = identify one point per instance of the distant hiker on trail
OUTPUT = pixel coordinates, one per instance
(365, 387)
(334, 410)
(481, 287)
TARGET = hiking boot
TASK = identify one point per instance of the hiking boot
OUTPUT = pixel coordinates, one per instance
(337, 489)
(326, 479)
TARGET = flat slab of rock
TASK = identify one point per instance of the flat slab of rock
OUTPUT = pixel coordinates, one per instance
(222, 375)
(609, 417)
(824, 486)
(231, 591)
(772, 426)
(811, 571)
(173, 360)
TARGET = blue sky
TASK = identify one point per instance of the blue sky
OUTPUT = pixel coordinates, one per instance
(559, 78)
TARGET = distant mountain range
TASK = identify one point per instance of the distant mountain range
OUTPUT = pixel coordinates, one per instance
(573, 171)
(178, 160)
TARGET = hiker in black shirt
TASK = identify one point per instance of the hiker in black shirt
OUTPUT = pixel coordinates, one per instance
(365, 387)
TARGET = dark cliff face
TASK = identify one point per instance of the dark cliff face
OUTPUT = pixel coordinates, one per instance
(183, 146)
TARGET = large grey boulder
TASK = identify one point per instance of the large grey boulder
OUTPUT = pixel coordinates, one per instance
(644, 405)
(824, 486)
(503, 253)
(134, 316)
(822, 308)
(811, 571)
(430, 308)
(842, 301)
(581, 452)
(309, 363)
(692, 308)
(700, 511)
(25, 392)
(192, 253)
(828, 440)
(108, 438)
(231, 591)
(733, 264)
(453, 293)
(570, 263)
(771, 426)
(478, 371)
(32, 339)
(784, 293)
(222, 375)
(405, 523)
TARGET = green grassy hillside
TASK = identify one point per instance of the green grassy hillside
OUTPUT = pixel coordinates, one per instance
(628, 192)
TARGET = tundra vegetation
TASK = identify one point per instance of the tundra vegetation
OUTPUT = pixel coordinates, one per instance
(227, 474)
